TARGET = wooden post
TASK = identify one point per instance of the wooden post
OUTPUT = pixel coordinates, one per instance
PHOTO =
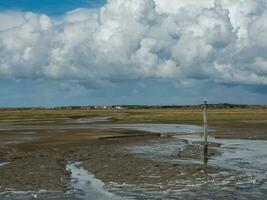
(205, 129)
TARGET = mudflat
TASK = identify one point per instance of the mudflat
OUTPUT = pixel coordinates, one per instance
(36, 152)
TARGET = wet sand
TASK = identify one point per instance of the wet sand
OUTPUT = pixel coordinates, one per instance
(39, 152)
(39, 163)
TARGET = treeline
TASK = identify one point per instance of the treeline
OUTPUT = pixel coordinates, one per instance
(215, 106)
(119, 107)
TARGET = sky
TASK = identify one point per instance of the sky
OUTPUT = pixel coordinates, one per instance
(157, 52)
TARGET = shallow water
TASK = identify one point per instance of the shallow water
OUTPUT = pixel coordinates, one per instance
(242, 155)
(246, 158)
(85, 185)
(237, 154)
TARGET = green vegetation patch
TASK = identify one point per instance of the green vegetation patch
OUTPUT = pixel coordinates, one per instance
(138, 114)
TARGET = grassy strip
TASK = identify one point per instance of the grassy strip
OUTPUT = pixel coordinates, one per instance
(138, 115)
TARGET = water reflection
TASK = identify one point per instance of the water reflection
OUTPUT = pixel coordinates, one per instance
(205, 154)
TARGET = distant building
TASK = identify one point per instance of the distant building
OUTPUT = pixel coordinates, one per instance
(103, 107)
(119, 107)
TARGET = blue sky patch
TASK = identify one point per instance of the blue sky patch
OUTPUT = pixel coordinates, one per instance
(49, 7)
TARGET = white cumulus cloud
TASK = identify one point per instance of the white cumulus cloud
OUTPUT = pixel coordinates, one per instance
(222, 41)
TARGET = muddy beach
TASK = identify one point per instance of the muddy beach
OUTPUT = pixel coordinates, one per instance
(132, 160)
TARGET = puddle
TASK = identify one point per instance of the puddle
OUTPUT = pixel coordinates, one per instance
(28, 132)
(159, 128)
(3, 163)
(93, 119)
(86, 186)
